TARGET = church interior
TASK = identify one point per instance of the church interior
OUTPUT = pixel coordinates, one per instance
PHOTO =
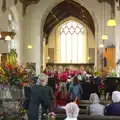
(65, 41)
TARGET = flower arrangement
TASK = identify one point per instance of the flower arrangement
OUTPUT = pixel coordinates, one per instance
(51, 116)
(11, 74)
(101, 89)
(95, 73)
(12, 57)
(112, 73)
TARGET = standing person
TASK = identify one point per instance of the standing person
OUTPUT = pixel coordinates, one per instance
(41, 94)
(75, 90)
(62, 96)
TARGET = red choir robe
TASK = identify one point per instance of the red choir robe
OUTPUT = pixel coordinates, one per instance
(63, 77)
(62, 101)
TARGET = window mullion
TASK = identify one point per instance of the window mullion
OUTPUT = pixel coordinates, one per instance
(77, 48)
(71, 47)
(66, 46)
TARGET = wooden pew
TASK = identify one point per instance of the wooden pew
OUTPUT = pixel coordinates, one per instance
(83, 104)
(86, 117)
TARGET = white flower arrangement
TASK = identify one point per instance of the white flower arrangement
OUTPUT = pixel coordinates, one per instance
(112, 73)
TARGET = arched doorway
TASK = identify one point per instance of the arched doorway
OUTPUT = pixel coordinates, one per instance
(58, 14)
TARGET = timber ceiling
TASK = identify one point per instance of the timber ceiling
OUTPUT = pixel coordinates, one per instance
(64, 10)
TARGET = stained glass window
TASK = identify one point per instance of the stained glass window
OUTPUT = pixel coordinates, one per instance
(72, 42)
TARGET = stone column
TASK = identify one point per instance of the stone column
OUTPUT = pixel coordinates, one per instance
(117, 36)
(38, 55)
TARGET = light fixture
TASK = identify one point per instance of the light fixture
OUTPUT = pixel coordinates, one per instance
(8, 38)
(101, 46)
(29, 46)
(104, 37)
(111, 22)
(88, 58)
(48, 57)
(0, 35)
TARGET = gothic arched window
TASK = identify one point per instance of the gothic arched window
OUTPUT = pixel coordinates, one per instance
(72, 42)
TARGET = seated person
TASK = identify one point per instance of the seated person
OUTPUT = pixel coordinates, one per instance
(114, 108)
(62, 96)
(72, 111)
(95, 109)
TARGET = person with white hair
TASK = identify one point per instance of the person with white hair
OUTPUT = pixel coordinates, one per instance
(114, 108)
(72, 111)
(95, 109)
(42, 79)
(41, 95)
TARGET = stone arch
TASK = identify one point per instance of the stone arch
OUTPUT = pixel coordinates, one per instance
(78, 1)
(91, 13)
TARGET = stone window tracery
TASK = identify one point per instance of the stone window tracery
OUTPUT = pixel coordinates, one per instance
(72, 36)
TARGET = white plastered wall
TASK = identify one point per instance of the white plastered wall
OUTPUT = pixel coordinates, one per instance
(17, 13)
(117, 36)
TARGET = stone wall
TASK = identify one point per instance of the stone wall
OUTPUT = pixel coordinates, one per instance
(17, 13)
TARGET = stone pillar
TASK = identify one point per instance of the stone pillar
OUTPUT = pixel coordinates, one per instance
(38, 55)
(117, 36)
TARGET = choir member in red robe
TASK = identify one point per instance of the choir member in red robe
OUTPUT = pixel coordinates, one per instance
(62, 96)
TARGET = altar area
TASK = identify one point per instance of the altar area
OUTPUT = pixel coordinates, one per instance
(74, 66)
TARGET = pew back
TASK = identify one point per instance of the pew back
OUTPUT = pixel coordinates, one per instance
(86, 117)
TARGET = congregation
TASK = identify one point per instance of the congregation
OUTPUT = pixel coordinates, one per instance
(67, 100)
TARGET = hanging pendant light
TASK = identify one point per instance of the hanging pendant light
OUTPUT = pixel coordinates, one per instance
(0, 35)
(8, 38)
(101, 46)
(29, 46)
(111, 23)
(88, 58)
(104, 37)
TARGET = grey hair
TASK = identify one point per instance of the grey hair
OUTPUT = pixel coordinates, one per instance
(72, 110)
(116, 96)
(42, 79)
(94, 98)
